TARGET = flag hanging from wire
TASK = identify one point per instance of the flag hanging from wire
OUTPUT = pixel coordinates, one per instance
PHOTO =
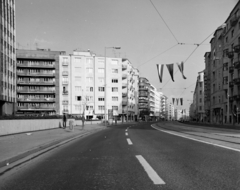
(160, 71)
(170, 70)
(173, 100)
(181, 101)
(181, 67)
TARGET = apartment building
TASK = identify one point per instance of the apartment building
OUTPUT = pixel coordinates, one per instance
(170, 111)
(7, 57)
(38, 82)
(82, 85)
(224, 72)
(154, 102)
(163, 106)
(143, 99)
(207, 86)
(130, 79)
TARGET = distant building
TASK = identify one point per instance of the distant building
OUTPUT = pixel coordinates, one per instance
(38, 82)
(7, 57)
(143, 97)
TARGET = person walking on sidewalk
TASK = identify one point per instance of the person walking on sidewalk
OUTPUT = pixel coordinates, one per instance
(64, 121)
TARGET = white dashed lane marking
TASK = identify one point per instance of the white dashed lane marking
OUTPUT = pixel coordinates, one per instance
(129, 141)
(150, 171)
(126, 134)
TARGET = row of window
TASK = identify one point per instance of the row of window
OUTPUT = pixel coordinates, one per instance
(90, 98)
(89, 79)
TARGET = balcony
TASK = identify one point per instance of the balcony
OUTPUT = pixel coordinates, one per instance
(236, 97)
(124, 94)
(124, 102)
(37, 65)
(65, 102)
(65, 73)
(230, 54)
(36, 83)
(143, 89)
(234, 20)
(35, 91)
(65, 63)
(65, 110)
(231, 69)
(236, 81)
(237, 48)
(143, 94)
(65, 92)
(47, 74)
(231, 84)
(37, 107)
(124, 76)
(64, 82)
(124, 67)
(231, 99)
(36, 99)
(124, 85)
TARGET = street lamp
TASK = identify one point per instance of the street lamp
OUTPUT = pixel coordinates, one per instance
(105, 81)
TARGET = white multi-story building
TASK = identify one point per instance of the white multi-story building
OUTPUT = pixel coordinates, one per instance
(130, 79)
(82, 85)
(154, 101)
(170, 111)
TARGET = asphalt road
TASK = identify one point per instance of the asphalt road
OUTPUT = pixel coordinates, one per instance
(140, 158)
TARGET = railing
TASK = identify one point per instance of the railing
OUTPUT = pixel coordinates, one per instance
(65, 92)
(236, 80)
(230, 54)
(65, 73)
(35, 90)
(234, 20)
(65, 63)
(124, 76)
(124, 67)
(37, 82)
(64, 102)
(35, 65)
(124, 94)
(237, 48)
(36, 99)
(231, 69)
(35, 74)
(65, 82)
(36, 107)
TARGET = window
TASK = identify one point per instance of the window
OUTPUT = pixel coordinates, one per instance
(89, 79)
(100, 99)
(114, 89)
(89, 89)
(200, 100)
(114, 70)
(65, 80)
(89, 70)
(78, 79)
(200, 84)
(114, 107)
(226, 39)
(77, 107)
(213, 75)
(89, 107)
(77, 59)
(101, 89)
(78, 98)
(78, 69)
(114, 62)
(232, 33)
(200, 92)
(100, 107)
(89, 98)
(89, 61)
(100, 70)
(114, 98)
(200, 107)
(100, 79)
(78, 88)
(213, 87)
(114, 80)
(219, 99)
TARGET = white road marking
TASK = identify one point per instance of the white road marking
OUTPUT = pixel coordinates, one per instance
(129, 141)
(234, 149)
(150, 171)
(126, 130)
(126, 134)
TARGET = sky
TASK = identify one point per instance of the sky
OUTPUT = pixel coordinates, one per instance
(135, 26)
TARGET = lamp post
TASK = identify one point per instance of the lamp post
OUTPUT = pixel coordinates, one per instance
(105, 81)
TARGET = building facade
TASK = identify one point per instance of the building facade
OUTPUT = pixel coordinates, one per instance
(143, 99)
(38, 82)
(7, 57)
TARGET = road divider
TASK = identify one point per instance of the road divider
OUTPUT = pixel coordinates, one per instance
(183, 136)
(152, 174)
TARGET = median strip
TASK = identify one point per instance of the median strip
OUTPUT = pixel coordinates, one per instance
(172, 133)
(150, 171)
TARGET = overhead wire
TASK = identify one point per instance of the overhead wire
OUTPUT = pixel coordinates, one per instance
(164, 21)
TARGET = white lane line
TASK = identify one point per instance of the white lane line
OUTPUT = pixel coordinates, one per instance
(129, 141)
(150, 171)
(126, 134)
(234, 149)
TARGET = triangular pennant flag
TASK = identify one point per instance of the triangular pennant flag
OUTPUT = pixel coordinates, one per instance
(180, 66)
(177, 100)
(170, 70)
(181, 101)
(160, 71)
(173, 100)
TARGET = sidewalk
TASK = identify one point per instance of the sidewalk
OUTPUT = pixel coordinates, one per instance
(15, 147)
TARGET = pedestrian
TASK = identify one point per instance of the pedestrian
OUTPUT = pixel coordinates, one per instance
(64, 121)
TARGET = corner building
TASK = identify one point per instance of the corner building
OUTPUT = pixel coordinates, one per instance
(7, 57)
